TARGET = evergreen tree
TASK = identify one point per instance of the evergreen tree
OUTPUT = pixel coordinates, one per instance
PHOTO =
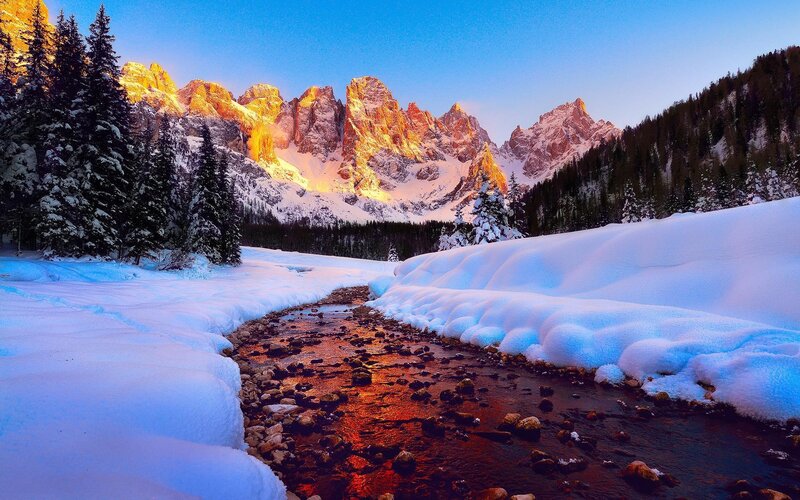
(631, 209)
(230, 222)
(63, 204)
(105, 155)
(392, 257)
(708, 199)
(458, 238)
(8, 73)
(175, 196)
(517, 212)
(725, 193)
(147, 216)
(204, 223)
(490, 217)
(754, 187)
(791, 179)
(24, 149)
(774, 185)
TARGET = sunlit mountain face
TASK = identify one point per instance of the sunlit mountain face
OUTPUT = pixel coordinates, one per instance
(383, 161)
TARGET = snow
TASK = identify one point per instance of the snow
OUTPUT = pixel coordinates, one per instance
(111, 384)
(703, 298)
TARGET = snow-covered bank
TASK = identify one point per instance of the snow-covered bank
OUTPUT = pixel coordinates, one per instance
(110, 380)
(711, 298)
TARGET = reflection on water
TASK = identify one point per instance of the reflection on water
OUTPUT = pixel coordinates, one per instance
(703, 452)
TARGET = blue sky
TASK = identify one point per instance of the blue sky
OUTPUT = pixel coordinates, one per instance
(506, 62)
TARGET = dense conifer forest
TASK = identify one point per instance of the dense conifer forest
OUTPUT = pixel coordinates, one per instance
(77, 178)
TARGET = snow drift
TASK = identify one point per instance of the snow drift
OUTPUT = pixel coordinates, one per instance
(700, 298)
(111, 384)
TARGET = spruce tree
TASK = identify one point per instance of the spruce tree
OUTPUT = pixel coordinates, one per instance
(8, 73)
(147, 217)
(754, 186)
(689, 200)
(490, 217)
(230, 223)
(708, 199)
(24, 150)
(204, 222)
(458, 238)
(725, 193)
(774, 185)
(392, 256)
(63, 203)
(106, 153)
(165, 164)
(631, 209)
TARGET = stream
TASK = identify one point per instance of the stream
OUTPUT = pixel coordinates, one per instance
(342, 402)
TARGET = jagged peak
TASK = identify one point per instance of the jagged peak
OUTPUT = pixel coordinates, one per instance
(315, 93)
(260, 91)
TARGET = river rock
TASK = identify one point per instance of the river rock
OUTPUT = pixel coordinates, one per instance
(404, 462)
(529, 428)
(492, 494)
(546, 405)
(466, 386)
(526, 496)
(641, 476)
(510, 420)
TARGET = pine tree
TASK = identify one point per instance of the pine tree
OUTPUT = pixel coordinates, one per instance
(490, 217)
(631, 209)
(24, 151)
(166, 169)
(204, 224)
(517, 212)
(146, 220)
(8, 73)
(708, 199)
(725, 193)
(774, 186)
(754, 186)
(791, 179)
(392, 257)
(106, 153)
(458, 238)
(62, 205)
(230, 222)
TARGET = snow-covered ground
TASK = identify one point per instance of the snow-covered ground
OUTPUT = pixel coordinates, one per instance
(708, 298)
(111, 385)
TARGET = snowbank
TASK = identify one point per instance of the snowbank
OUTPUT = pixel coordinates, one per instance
(110, 380)
(711, 298)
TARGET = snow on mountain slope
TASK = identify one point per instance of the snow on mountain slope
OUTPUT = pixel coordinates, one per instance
(708, 298)
(366, 159)
(560, 135)
(111, 382)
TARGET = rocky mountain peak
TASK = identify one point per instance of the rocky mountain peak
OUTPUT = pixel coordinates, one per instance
(318, 117)
(264, 100)
(152, 85)
(565, 132)
(16, 16)
(463, 136)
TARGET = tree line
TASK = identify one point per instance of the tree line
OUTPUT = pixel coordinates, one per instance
(77, 180)
(734, 143)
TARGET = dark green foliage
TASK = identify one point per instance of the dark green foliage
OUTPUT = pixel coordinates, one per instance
(371, 240)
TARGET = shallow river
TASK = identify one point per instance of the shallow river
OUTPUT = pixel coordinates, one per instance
(390, 378)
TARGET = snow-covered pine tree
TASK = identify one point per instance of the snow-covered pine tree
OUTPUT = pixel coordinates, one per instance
(204, 222)
(147, 213)
(791, 178)
(490, 217)
(230, 222)
(517, 217)
(175, 195)
(458, 238)
(774, 186)
(631, 209)
(392, 257)
(708, 199)
(724, 189)
(8, 72)
(754, 186)
(24, 150)
(62, 205)
(105, 155)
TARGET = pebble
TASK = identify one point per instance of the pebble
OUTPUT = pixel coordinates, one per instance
(466, 386)
(404, 462)
(641, 476)
(492, 494)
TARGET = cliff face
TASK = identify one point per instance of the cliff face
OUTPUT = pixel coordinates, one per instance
(16, 15)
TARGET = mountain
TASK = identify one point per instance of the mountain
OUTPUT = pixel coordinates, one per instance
(16, 16)
(365, 159)
(560, 135)
(736, 142)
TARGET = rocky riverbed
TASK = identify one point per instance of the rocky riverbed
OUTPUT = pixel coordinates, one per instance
(343, 403)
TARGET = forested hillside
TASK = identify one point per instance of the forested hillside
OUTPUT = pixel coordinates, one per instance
(734, 143)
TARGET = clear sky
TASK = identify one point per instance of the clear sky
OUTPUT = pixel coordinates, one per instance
(506, 62)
